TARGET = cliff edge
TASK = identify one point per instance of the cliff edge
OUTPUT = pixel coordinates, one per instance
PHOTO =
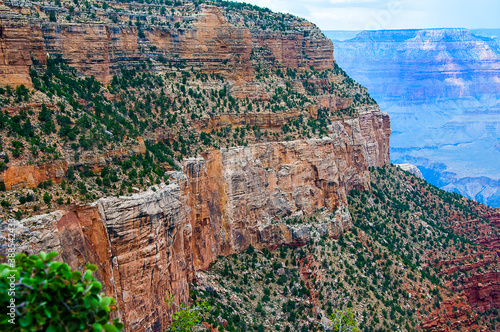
(150, 245)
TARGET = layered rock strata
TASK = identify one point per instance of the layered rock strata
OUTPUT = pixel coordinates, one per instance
(441, 88)
(207, 40)
(149, 245)
(30, 176)
(482, 290)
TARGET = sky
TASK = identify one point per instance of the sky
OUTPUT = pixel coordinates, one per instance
(390, 14)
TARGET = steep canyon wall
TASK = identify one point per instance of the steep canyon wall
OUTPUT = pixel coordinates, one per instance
(150, 245)
(206, 40)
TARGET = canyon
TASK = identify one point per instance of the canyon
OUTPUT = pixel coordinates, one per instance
(150, 245)
(441, 88)
(170, 143)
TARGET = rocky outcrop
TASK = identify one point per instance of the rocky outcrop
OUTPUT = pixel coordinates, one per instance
(482, 290)
(30, 176)
(453, 314)
(493, 218)
(262, 184)
(475, 277)
(18, 41)
(261, 120)
(209, 39)
(149, 245)
(137, 244)
(297, 50)
(268, 120)
(85, 47)
(412, 169)
(371, 128)
(97, 161)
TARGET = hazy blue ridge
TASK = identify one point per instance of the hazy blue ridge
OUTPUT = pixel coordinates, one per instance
(441, 88)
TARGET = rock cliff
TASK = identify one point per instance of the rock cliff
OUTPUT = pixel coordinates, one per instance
(19, 176)
(480, 285)
(149, 245)
(207, 38)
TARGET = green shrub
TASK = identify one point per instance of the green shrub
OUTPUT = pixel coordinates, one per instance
(47, 198)
(50, 297)
(187, 316)
(343, 320)
(17, 148)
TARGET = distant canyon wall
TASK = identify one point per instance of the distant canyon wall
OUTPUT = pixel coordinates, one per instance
(441, 88)
(150, 245)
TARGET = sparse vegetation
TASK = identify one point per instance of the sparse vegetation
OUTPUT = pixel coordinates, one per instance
(384, 270)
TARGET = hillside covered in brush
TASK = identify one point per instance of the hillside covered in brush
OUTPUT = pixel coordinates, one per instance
(109, 95)
(417, 258)
(214, 151)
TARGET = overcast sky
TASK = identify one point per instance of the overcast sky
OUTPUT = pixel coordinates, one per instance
(390, 14)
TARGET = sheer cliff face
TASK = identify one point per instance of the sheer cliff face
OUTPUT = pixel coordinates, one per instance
(31, 175)
(207, 39)
(149, 245)
(16, 52)
(239, 195)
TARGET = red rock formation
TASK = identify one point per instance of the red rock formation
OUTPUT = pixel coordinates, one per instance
(374, 132)
(138, 245)
(83, 46)
(482, 290)
(210, 42)
(478, 281)
(452, 315)
(149, 245)
(29, 176)
(493, 218)
(237, 193)
(234, 190)
(15, 55)
(149, 237)
(83, 239)
(79, 236)
(296, 50)
(333, 102)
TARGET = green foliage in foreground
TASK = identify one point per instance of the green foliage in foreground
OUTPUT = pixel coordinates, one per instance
(187, 316)
(50, 297)
(343, 321)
